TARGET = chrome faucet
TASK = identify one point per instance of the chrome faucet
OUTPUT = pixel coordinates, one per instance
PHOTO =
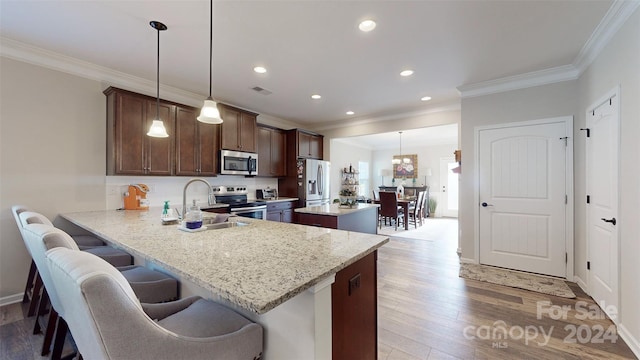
(212, 197)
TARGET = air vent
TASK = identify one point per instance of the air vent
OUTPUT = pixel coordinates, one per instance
(260, 90)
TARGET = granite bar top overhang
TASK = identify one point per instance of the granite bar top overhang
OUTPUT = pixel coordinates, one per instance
(335, 209)
(256, 267)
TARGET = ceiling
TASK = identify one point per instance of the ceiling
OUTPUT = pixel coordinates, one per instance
(313, 47)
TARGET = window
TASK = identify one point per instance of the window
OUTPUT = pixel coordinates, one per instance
(363, 169)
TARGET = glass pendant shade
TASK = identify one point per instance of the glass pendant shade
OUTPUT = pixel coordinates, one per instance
(157, 129)
(395, 161)
(210, 113)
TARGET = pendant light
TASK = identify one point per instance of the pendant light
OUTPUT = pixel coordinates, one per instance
(404, 160)
(157, 126)
(210, 113)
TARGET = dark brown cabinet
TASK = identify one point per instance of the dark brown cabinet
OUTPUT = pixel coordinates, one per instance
(196, 144)
(309, 145)
(281, 211)
(129, 150)
(354, 316)
(238, 129)
(271, 151)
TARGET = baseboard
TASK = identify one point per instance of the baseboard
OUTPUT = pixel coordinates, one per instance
(581, 283)
(632, 342)
(11, 299)
(467, 260)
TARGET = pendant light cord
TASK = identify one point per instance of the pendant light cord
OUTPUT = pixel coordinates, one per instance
(158, 79)
(210, 45)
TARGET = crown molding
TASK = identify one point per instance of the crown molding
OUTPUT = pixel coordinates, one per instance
(613, 20)
(453, 106)
(521, 81)
(37, 56)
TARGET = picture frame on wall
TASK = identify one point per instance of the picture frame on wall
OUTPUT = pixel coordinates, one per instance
(407, 170)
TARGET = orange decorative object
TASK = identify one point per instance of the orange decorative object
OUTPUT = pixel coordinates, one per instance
(136, 197)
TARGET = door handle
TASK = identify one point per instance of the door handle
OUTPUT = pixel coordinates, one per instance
(484, 204)
(612, 220)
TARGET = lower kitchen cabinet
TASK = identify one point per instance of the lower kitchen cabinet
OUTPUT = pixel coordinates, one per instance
(354, 314)
(281, 211)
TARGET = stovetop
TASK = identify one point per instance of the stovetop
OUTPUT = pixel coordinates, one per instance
(235, 195)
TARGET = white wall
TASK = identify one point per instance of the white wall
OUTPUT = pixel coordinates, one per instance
(617, 64)
(53, 156)
(52, 151)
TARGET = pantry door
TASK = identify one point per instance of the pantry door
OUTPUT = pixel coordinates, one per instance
(602, 147)
(523, 173)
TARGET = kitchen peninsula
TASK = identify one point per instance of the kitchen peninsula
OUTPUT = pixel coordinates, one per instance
(305, 285)
(361, 217)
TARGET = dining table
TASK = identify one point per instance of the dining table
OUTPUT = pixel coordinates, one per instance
(404, 203)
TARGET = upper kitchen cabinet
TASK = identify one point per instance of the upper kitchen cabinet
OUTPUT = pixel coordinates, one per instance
(129, 150)
(309, 145)
(238, 129)
(196, 144)
(271, 151)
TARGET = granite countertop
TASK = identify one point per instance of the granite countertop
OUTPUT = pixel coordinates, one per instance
(257, 267)
(281, 199)
(334, 209)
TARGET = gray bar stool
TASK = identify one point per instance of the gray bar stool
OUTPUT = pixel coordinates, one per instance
(152, 286)
(107, 321)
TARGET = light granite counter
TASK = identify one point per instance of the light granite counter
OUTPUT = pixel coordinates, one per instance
(335, 209)
(256, 267)
(280, 199)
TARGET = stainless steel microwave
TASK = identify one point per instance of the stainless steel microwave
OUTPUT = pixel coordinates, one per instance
(238, 163)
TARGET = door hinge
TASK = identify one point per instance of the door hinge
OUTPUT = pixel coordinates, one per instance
(588, 265)
(566, 199)
(566, 258)
(588, 199)
(588, 131)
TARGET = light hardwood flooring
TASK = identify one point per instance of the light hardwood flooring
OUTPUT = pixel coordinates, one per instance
(424, 309)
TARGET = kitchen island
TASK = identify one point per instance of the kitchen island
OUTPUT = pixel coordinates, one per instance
(360, 217)
(291, 279)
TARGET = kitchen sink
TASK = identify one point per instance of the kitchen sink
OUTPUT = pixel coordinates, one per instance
(224, 225)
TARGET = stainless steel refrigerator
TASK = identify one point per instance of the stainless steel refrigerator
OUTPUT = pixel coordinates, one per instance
(315, 181)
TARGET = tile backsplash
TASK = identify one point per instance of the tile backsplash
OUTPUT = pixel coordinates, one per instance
(170, 188)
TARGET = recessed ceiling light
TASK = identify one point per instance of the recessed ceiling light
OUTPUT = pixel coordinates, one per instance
(406, 73)
(425, 98)
(367, 25)
(316, 97)
(259, 69)
(350, 113)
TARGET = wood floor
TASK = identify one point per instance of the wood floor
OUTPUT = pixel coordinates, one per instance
(427, 312)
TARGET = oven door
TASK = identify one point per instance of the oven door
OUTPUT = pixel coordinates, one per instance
(256, 212)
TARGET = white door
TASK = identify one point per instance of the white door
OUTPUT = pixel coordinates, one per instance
(522, 197)
(448, 188)
(602, 209)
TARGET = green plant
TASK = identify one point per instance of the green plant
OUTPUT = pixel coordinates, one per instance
(433, 204)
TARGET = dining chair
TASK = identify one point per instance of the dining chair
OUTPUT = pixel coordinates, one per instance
(389, 208)
(108, 321)
(415, 210)
(33, 287)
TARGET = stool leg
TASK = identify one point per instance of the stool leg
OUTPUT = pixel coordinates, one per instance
(44, 301)
(61, 334)
(30, 278)
(48, 336)
(35, 297)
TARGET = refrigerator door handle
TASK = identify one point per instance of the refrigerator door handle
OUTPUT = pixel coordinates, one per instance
(320, 180)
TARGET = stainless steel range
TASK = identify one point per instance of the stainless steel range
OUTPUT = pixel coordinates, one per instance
(236, 197)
